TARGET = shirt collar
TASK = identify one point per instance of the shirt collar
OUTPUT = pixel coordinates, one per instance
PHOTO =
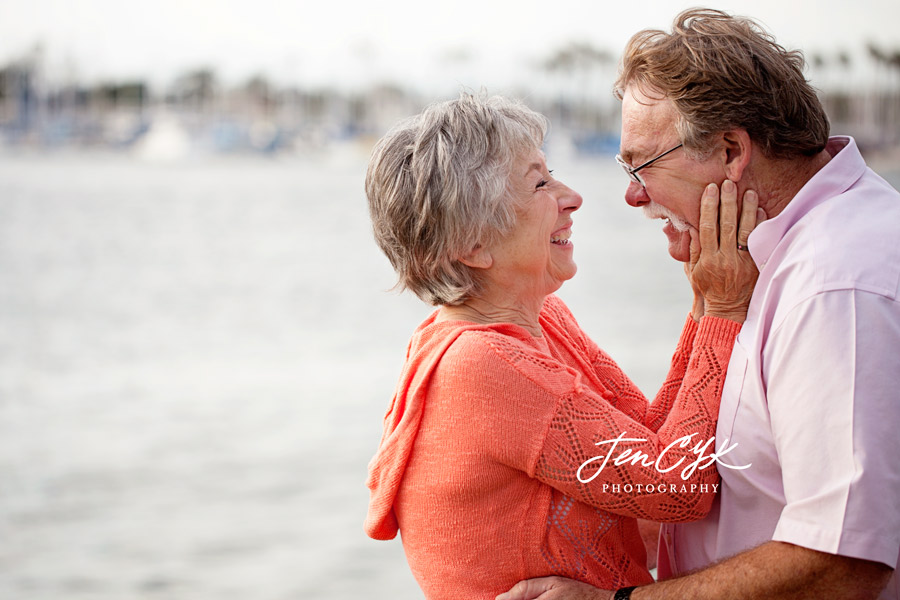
(842, 171)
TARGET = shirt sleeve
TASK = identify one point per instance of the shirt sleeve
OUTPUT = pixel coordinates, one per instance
(832, 386)
(595, 453)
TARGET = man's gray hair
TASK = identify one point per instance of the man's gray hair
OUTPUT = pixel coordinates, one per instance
(438, 186)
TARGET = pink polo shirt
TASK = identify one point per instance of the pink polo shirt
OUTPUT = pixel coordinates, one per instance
(812, 394)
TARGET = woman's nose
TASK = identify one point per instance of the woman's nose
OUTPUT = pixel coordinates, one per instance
(570, 199)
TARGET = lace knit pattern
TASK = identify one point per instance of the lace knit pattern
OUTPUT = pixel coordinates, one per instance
(687, 405)
(596, 539)
(491, 495)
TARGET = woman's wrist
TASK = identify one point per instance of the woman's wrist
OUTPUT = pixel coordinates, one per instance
(738, 316)
(726, 310)
(697, 309)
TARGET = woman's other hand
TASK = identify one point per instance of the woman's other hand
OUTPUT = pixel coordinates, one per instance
(721, 270)
(554, 588)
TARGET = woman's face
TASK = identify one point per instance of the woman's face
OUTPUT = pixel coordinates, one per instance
(536, 256)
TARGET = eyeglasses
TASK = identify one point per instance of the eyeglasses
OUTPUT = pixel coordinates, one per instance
(633, 172)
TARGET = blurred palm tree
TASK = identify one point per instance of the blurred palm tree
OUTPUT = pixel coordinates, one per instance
(887, 98)
(260, 91)
(197, 89)
(580, 67)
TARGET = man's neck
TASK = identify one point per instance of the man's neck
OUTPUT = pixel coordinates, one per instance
(780, 180)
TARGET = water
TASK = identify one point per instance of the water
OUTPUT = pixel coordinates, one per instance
(195, 359)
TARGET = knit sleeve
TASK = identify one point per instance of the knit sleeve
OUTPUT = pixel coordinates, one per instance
(668, 393)
(629, 399)
(644, 468)
(624, 394)
(532, 412)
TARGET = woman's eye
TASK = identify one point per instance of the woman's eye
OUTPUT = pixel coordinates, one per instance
(544, 182)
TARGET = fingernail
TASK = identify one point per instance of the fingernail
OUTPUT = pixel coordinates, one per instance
(711, 189)
(728, 185)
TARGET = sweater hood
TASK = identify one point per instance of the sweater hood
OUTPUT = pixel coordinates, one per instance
(427, 346)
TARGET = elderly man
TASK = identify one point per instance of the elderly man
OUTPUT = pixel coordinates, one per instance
(811, 396)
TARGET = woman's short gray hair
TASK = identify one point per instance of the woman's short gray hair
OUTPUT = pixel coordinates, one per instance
(438, 186)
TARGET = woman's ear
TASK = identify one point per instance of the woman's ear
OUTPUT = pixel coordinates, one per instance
(736, 155)
(477, 258)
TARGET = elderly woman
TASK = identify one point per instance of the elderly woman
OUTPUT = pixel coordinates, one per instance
(514, 446)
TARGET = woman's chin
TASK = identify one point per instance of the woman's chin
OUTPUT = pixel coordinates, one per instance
(568, 273)
(560, 275)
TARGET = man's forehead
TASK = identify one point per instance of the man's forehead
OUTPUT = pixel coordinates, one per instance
(646, 122)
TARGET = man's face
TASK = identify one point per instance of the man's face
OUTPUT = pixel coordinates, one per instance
(675, 182)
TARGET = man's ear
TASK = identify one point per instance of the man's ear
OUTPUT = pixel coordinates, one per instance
(477, 258)
(736, 153)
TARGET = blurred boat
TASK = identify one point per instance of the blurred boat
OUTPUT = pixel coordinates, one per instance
(166, 140)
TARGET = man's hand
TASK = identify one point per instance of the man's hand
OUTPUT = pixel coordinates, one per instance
(554, 588)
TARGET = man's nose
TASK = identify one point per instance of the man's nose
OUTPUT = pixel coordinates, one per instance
(636, 195)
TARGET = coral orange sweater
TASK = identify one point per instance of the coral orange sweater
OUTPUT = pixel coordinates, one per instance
(488, 427)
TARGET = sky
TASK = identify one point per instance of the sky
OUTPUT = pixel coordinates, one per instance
(410, 42)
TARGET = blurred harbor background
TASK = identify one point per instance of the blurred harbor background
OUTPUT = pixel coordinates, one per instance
(172, 83)
(199, 113)
(198, 343)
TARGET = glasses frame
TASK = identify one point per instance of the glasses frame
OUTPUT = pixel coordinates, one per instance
(632, 172)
